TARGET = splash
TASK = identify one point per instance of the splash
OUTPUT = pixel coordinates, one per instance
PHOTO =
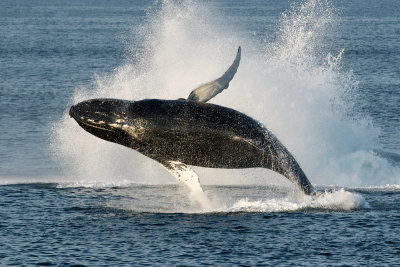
(294, 85)
(336, 201)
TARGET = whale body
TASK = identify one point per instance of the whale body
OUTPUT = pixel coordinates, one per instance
(177, 133)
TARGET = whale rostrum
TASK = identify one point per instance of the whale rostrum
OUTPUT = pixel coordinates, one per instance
(183, 132)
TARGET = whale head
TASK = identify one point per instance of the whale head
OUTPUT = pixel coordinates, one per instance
(108, 119)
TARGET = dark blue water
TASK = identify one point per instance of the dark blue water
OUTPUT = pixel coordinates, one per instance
(52, 213)
(45, 225)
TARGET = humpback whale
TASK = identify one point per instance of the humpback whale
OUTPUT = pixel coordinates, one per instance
(183, 132)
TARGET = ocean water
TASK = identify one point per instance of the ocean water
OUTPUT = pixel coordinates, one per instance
(322, 75)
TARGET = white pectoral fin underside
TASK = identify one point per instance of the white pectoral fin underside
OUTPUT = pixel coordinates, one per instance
(205, 92)
(186, 175)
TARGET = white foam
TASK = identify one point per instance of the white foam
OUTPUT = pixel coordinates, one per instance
(337, 201)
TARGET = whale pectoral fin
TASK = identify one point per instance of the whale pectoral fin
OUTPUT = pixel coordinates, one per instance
(184, 174)
(205, 92)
